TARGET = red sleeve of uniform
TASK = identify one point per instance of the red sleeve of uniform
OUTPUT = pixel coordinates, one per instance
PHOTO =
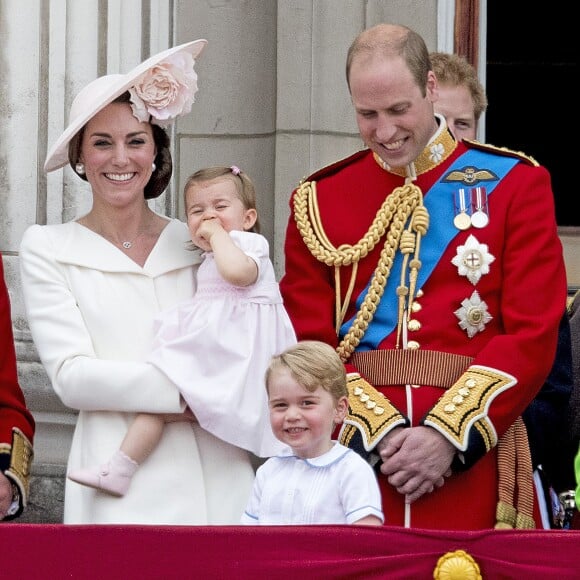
(533, 295)
(13, 410)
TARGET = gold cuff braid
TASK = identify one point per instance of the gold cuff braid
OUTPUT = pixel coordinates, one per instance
(369, 411)
(465, 405)
(21, 455)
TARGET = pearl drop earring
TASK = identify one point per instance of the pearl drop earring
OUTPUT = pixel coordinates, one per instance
(80, 168)
(153, 167)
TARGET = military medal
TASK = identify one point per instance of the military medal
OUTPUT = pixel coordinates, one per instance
(472, 260)
(473, 315)
(461, 220)
(479, 218)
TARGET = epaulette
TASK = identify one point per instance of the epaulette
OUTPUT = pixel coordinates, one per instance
(501, 151)
(334, 167)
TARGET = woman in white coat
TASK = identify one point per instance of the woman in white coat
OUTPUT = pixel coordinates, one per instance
(92, 288)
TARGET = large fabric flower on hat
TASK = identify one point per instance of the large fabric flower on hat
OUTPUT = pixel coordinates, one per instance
(166, 91)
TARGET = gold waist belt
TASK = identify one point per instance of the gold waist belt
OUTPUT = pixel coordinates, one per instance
(410, 367)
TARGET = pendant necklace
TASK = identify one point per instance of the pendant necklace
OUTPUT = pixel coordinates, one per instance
(128, 244)
(125, 244)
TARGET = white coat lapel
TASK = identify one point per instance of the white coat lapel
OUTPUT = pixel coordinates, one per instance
(83, 247)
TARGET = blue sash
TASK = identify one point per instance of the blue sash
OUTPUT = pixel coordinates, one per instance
(440, 204)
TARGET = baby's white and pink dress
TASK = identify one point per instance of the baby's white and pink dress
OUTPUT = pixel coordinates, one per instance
(216, 348)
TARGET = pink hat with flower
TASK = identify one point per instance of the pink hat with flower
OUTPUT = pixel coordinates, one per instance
(162, 88)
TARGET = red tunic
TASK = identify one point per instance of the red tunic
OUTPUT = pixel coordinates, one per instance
(16, 422)
(524, 290)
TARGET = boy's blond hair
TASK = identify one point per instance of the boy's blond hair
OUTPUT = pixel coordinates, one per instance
(313, 364)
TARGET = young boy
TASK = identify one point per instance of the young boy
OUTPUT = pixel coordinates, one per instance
(316, 480)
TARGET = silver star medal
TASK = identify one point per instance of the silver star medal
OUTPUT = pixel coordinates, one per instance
(473, 315)
(472, 259)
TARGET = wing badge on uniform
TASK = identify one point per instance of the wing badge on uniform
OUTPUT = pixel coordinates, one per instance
(470, 175)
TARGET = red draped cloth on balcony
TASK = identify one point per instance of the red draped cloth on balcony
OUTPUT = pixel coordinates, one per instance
(304, 552)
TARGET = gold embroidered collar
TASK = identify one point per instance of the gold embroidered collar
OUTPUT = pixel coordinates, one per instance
(441, 145)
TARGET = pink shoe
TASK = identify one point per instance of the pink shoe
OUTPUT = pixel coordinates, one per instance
(113, 477)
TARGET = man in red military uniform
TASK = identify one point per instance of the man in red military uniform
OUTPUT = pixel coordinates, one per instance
(435, 269)
(16, 422)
